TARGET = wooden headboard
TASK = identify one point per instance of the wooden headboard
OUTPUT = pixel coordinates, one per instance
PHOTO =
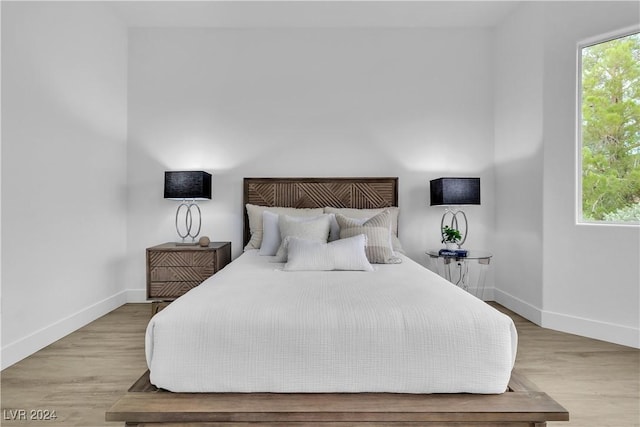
(359, 193)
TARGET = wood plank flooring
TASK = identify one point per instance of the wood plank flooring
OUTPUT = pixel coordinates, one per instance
(83, 374)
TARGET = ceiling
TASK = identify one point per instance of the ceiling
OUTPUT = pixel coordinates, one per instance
(310, 13)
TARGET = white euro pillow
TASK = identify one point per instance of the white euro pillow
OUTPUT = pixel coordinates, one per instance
(343, 254)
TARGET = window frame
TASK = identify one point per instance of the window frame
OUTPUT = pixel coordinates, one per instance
(588, 42)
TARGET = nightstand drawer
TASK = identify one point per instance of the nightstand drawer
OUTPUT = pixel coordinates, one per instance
(180, 274)
(181, 259)
(170, 290)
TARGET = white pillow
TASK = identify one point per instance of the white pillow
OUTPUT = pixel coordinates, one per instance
(254, 214)
(271, 239)
(311, 229)
(343, 254)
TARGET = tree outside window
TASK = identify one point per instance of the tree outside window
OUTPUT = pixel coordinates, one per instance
(611, 130)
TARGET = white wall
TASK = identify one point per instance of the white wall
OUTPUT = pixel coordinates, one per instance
(412, 103)
(518, 83)
(63, 170)
(582, 279)
(591, 273)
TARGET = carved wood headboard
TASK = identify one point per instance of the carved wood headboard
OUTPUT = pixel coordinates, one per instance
(359, 193)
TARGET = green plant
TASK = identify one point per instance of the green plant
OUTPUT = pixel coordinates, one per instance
(450, 235)
(628, 214)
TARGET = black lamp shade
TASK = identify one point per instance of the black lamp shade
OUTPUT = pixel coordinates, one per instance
(455, 191)
(180, 185)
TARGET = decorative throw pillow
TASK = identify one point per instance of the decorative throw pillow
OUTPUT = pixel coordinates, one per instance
(377, 229)
(311, 229)
(254, 213)
(343, 254)
(369, 213)
(334, 231)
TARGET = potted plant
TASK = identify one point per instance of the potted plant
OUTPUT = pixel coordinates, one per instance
(451, 237)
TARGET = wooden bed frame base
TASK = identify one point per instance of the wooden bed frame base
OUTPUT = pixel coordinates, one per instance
(523, 405)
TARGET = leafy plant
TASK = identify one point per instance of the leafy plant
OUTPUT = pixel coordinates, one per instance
(628, 214)
(450, 235)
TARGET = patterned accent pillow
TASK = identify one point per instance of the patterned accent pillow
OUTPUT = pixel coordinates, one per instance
(377, 230)
(365, 214)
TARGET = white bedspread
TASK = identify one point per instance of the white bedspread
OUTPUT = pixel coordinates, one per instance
(402, 328)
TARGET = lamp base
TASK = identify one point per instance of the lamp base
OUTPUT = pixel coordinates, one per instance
(454, 224)
(190, 207)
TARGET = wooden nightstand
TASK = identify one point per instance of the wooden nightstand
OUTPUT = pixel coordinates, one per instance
(173, 270)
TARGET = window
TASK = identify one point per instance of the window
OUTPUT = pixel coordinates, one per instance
(609, 99)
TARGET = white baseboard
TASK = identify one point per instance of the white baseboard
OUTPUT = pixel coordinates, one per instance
(18, 350)
(610, 332)
(523, 308)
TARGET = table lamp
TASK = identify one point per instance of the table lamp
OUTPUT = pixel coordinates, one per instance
(187, 187)
(452, 192)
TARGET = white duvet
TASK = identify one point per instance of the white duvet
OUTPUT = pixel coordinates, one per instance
(403, 329)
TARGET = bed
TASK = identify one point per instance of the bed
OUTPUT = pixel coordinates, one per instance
(286, 369)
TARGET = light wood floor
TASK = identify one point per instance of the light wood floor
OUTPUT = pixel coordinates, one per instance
(81, 375)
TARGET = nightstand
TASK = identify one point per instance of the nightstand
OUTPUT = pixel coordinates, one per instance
(462, 279)
(173, 270)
